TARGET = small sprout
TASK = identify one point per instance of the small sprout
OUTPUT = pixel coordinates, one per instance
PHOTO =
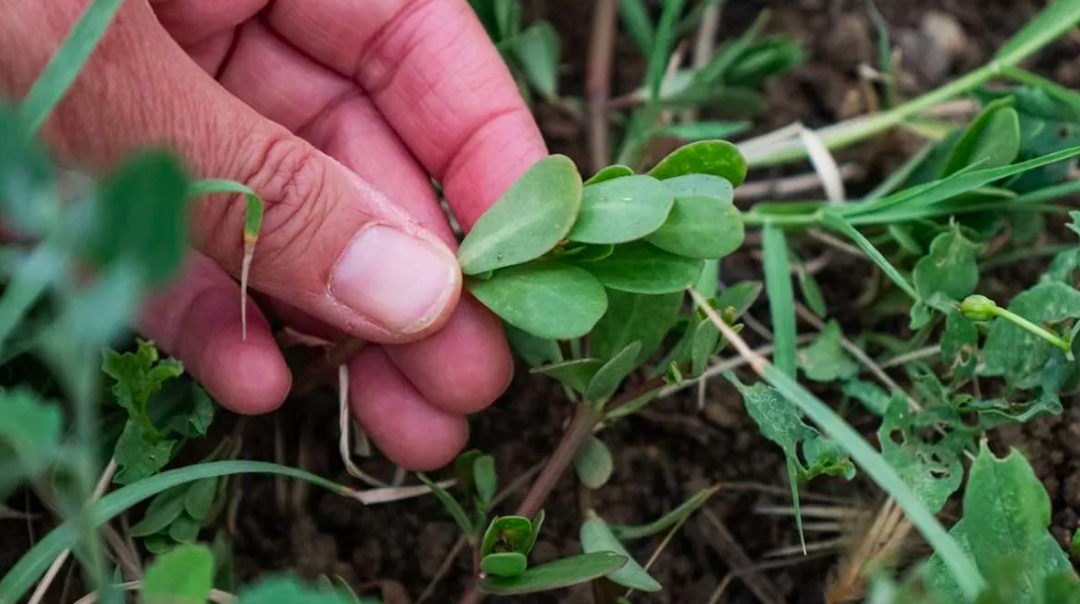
(978, 308)
(981, 308)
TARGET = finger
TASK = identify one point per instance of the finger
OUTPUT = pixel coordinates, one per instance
(335, 116)
(405, 427)
(434, 74)
(197, 319)
(332, 245)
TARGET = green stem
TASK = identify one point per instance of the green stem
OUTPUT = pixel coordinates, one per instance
(1034, 329)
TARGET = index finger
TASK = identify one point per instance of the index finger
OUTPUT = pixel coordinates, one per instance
(430, 68)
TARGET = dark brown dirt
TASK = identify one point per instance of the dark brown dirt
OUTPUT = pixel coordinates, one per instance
(676, 448)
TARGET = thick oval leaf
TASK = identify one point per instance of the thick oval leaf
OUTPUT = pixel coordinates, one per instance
(597, 537)
(593, 463)
(992, 140)
(164, 508)
(485, 478)
(609, 173)
(610, 376)
(185, 575)
(641, 268)
(505, 564)
(575, 374)
(526, 222)
(556, 575)
(537, 50)
(716, 157)
(200, 497)
(553, 301)
(513, 532)
(621, 210)
(634, 317)
(700, 227)
(697, 185)
(185, 529)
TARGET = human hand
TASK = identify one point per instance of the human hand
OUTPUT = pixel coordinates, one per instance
(335, 112)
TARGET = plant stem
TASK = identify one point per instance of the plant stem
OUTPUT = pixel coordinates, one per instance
(1034, 329)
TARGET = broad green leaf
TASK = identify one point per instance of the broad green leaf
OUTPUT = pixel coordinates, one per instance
(504, 564)
(593, 463)
(575, 374)
(1006, 517)
(200, 498)
(643, 269)
(533, 350)
(596, 536)
(960, 345)
(701, 185)
(675, 516)
(31, 429)
(825, 359)
(550, 300)
(634, 318)
(485, 478)
(991, 141)
(184, 529)
(696, 131)
(556, 575)
(700, 227)
(140, 454)
(162, 511)
(781, 296)
(621, 210)
(142, 217)
(452, 507)
(537, 51)
(286, 589)
(609, 377)
(185, 575)
(716, 157)
(950, 269)
(1018, 355)
(513, 533)
(527, 221)
(160, 544)
(610, 173)
(932, 471)
(739, 297)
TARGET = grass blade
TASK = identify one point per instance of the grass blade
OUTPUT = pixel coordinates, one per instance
(664, 42)
(781, 296)
(675, 516)
(1055, 20)
(65, 65)
(34, 563)
(837, 223)
(635, 17)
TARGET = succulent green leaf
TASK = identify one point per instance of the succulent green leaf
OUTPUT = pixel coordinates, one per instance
(701, 185)
(485, 478)
(825, 359)
(716, 157)
(593, 463)
(700, 227)
(504, 564)
(1006, 517)
(537, 51)
(634, 318)
(556, 575)
(528, 221)
(575, 374)
(610, 376)
(200, 498)
(932, 471)
(184, 529)
(704, 345)
(185, 575)
(621, 210)
(515, 531)
(991, 141)
(465, 469)
(162, 511)
(533, 350)
(739, 297)
(597, 537)
(610, 173)
(644, 269)
(1018, 355)
(549, 300)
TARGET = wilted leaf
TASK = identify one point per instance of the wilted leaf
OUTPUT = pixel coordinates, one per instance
(825, 359)
(933, 472)
(621, 210)
(551, 300)
(555, 575)
(527, 221)
(634, 318)
(643, 269)
(597, 537)
(593, 463)
(185, 575)
(719, 158)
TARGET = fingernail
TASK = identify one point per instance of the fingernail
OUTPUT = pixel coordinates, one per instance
(396, 280)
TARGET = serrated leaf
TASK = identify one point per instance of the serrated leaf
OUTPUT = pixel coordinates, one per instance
(185, 575)
(575, 374)
(634, 318)
(825, 359)
(537, 50)
(161, 512)
(550, 300)
(1016, 354)
(140, 454)
(620, 210)
(719, 158)
(138, 375)
(200, 498)
(991, 141)
(610, 173)
(597, 537)
(608, 378)
(1006, 517)
(932, 471)
(644, 269)
(486, 480)
(593, 463)
(555, 575)
(700, 227)
(504, 564)
(527, 221)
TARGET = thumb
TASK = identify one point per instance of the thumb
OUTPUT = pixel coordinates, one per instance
(331, 244)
